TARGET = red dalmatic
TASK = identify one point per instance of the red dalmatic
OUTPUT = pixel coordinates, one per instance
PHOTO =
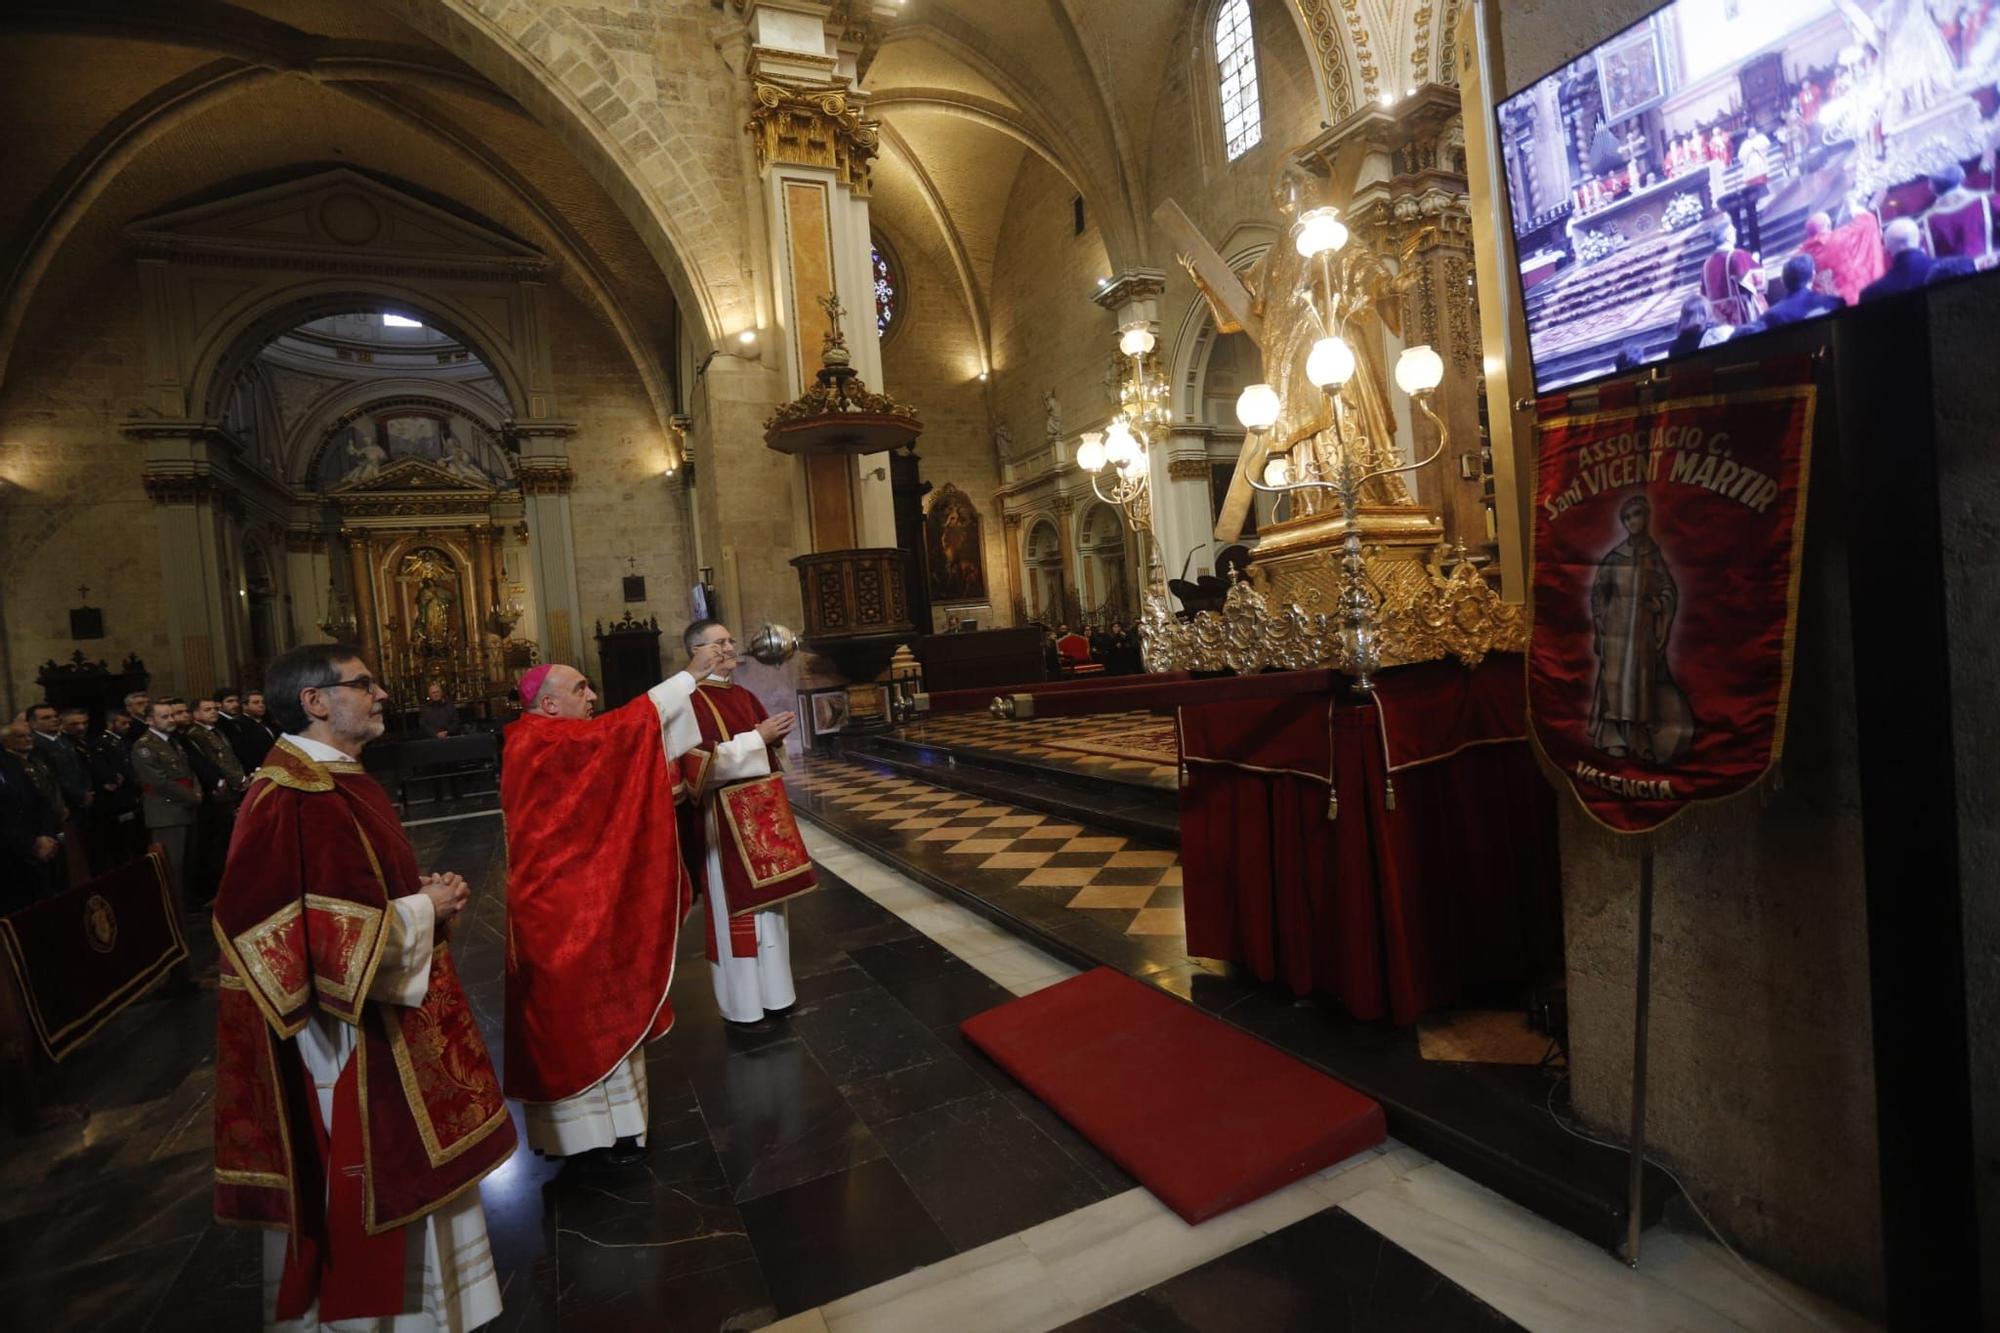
(764, 860)
(595, 895)
(302, 918)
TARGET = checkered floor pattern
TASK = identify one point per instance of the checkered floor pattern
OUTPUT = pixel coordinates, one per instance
(1028, 740)
(1134, 886)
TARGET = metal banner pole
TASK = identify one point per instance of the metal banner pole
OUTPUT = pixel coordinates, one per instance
(1641, 1001)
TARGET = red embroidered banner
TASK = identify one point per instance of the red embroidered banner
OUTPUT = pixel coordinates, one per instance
(1667, 542)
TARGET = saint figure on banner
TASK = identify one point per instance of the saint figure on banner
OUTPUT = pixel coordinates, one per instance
(1638, 710)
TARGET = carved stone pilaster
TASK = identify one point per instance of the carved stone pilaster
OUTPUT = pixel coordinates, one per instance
(1187, 469)
(545, 476)
(813, 125)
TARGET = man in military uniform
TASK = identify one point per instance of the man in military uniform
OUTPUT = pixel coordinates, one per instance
(169, 795)
(222, 786)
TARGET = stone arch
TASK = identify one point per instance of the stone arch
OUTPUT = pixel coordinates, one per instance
(1104, 560)
(233, 337)
(1331, 30)
(1194, 339)
(1042, 573)
(653, 161)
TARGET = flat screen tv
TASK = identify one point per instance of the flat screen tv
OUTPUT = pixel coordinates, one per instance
(1723, 167)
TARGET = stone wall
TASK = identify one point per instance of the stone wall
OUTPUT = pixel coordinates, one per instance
(621, 505)
(1047, 335)
(72, 510)
(1762, 1093)
(1965, 326)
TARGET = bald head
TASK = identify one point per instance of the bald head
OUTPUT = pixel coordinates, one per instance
(565, 692)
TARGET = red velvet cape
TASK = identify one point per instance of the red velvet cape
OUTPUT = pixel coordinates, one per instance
(764, 860)
(302, 918)
(596, 893)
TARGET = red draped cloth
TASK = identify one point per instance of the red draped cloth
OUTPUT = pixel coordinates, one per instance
(763, 858)
(596, 894)
(1393, 854)
(302, 919)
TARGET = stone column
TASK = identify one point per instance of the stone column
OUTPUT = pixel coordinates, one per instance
(1072, 597)
(184, 476)
(1017, 569)
(1183, 511)
(545, 476)
(814, 145)
(361, 586)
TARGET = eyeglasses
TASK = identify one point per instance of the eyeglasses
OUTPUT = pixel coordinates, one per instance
(366, 684)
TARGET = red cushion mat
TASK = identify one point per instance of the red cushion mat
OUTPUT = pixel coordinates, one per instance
(1204, 1116)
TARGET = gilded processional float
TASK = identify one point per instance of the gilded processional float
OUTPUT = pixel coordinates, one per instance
(1361, 572)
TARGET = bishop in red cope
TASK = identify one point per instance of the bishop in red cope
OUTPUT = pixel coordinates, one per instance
(741, 834)
(596, 892)
(356, 1109)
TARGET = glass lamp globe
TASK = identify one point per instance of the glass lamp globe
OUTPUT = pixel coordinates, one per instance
(1119, 446)
(1320, 231)
(1278, 471)
(1090, 454)
(1257, 407)
(1136, 341)
(1330, 364)
(1419, 370)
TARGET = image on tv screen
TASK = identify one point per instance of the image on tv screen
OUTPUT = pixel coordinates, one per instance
(1725, 167)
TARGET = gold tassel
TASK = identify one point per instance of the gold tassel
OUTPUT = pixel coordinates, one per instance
(1184, 775)
(1332, 803)
(1389, 791)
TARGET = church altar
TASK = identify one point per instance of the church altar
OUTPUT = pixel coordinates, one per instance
(1397, 853)
(1640, 215)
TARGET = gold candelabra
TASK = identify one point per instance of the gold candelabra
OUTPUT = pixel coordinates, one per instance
(1119, 457)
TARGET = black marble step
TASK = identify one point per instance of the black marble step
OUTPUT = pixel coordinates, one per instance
(1135, 809)
(1492, 1123)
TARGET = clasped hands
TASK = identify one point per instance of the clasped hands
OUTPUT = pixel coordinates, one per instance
(448, 892)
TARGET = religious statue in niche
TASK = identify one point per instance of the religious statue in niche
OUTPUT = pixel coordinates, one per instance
(952, 551)
(1052, 425)
(458, 460)
(368, 459)
(1003, 441)
(430, 575)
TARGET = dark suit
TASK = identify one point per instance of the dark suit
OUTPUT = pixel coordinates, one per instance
(1907, 272)
(25, 815)
(1801, 305)
(248, 738)
(115, 830)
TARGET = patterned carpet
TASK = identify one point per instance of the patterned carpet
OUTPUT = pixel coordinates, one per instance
(1120, 882)
(1133, 747)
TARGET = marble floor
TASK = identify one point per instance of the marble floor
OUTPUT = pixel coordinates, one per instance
(1137, 747)
(860, 1167)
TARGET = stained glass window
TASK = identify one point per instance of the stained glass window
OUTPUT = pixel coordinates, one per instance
(885, 292)
(1236, 67)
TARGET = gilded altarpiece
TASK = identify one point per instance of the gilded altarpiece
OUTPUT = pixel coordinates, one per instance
(426, 553)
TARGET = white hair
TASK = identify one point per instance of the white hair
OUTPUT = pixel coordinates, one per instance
(1900, 235)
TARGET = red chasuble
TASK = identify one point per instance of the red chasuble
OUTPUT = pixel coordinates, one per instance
(302, 917)
(764, 860)
(595, 895)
